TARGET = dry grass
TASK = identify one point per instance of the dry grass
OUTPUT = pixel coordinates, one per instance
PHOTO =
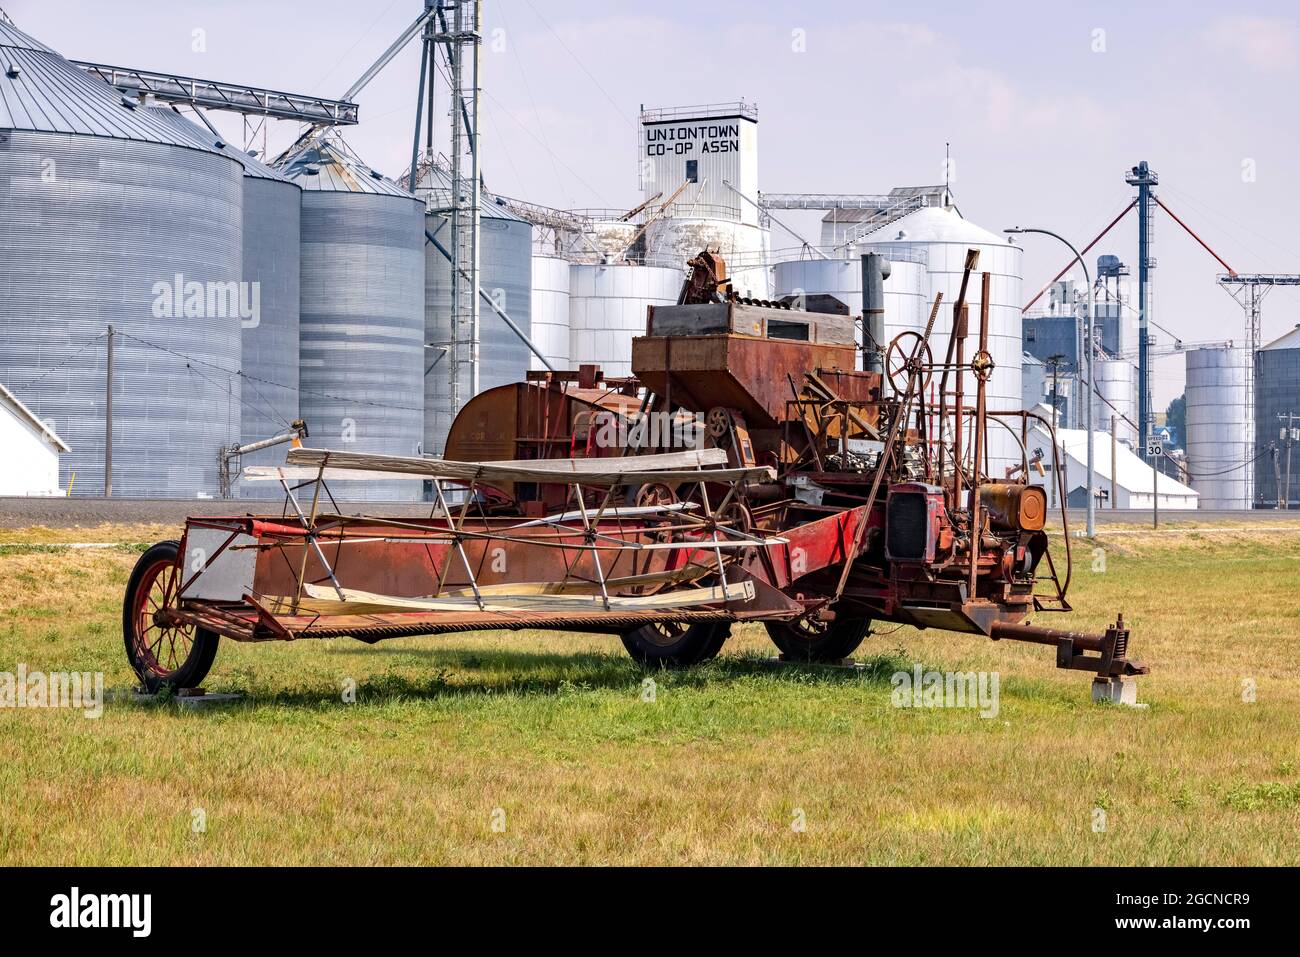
(105, 532)
(553, 730)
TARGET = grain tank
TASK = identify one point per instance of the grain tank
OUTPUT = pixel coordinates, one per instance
(361, 331)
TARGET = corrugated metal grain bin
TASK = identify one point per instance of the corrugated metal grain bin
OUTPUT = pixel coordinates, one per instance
(361, 328)
(607, 310)
(109, 216)
(1277, 410)
(550, 312)
(271, 269)
(505, 274)
(1218, 439)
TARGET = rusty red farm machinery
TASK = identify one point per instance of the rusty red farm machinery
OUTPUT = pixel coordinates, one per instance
(749, 472)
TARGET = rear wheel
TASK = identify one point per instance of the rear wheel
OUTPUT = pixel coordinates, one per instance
(163, 653)
(811, 640)
(671, 644)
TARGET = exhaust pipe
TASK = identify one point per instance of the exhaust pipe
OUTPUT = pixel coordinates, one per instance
(875, 270)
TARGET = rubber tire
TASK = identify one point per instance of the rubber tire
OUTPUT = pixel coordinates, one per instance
(699, 642)
(203, 650)
(840, 639)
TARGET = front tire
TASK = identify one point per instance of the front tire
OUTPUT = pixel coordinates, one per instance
(675, 645)
(162, 655)
(818, 641)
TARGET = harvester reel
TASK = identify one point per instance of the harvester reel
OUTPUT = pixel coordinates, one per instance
(909, 353)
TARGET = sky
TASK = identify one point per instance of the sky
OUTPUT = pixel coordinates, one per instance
(1045, 105)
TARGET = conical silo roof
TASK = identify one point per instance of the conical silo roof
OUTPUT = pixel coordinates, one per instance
(935, 224)
(42, 92)
(202, 138)
(325, 164)
(434, 187)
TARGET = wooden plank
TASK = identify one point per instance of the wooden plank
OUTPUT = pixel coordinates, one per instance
(686, 466)
(323, 601)
(305, 473)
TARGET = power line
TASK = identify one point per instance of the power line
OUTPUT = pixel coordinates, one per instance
(1236, 468)
(528, 87)
(505, 110)
(618, 109)
(300, 391)
(361, 36)
(60, 364)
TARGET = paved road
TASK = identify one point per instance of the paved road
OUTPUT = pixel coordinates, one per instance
(72, 512)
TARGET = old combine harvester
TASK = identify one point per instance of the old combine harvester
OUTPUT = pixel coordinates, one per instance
(820, 500)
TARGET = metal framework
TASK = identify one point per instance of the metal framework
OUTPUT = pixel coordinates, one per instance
(1143, 177)
(230, 97)
(1249, 291)
(885, 208)
(823, 201)
(458, 37)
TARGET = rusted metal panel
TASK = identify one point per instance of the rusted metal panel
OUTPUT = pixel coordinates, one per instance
(736, 372)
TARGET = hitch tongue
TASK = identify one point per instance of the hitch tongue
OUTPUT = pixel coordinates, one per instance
(1111, 649)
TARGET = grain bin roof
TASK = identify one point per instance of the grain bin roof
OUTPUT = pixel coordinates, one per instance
(434, 187)
(1288, 340)
(203, 139)
(327, 165)
(936, 224)
(41, 92)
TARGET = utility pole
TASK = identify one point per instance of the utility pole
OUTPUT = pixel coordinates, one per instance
(1288, 436)
(1277, 473)
(1114, 493)
(1055, 362)
(1155, 490)
(108, 420)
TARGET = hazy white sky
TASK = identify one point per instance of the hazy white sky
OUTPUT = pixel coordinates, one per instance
(1045, 104)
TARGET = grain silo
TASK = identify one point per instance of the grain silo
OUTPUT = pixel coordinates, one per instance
(111, 217)
(271, 270)
(1277, 413)
(906, 309)
(1218, 453)
(550, 311)
(361, 331)
(607, 309)
(1116, 396)
(940, 237)
(505, 275)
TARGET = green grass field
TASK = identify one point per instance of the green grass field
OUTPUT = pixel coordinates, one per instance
(538, 748)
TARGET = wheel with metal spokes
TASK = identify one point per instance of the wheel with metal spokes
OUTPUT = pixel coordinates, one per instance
(674, 644)
(163, 652)
(909, 353)
(655, 494)
(808, 639)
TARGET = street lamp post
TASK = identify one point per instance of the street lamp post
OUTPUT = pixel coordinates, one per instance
(1087, 349)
